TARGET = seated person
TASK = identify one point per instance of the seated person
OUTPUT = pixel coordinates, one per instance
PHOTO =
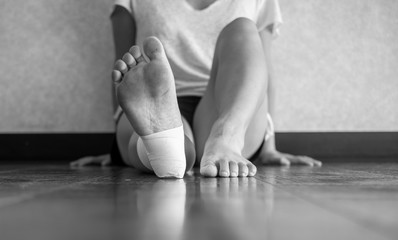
(193, 80)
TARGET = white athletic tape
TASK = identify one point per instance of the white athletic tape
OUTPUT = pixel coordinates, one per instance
(165, 152)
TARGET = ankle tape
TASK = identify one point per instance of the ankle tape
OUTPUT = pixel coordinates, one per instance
(165, 151)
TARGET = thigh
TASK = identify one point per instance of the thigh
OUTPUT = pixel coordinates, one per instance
(127, 144)
(190, 153)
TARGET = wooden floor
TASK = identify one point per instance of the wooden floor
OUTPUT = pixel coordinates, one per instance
(337, 201)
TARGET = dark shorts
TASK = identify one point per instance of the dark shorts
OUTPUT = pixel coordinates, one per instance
(187, 107)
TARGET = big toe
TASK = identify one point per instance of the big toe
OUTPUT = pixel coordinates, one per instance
(153, 48)
(208, 170)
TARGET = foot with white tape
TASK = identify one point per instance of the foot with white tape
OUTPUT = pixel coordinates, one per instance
(146, 92)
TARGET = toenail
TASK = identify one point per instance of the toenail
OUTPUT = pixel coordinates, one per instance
(224, 173)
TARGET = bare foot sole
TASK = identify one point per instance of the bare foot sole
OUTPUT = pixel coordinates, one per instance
(146, 89)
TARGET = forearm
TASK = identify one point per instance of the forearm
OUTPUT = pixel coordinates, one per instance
(270, 97)
(270, 144)
(269, 154)
(271, 93)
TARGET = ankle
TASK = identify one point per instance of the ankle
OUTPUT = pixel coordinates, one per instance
(232, 134)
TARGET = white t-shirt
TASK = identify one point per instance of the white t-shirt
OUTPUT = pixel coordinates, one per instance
(189, 36)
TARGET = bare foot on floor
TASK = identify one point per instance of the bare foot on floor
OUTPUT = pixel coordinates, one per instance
(146, 89)
(222, 157)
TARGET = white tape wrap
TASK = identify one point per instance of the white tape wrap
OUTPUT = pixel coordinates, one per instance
(166, 152)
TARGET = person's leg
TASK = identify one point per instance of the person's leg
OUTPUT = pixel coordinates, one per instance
(125, 134)
(230, 121)
(147, 95)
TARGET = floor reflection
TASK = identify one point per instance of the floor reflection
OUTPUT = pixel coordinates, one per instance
(204, 208)
(230, 208)
(161, 210)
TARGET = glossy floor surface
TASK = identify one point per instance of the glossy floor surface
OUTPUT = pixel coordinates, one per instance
(337, 201)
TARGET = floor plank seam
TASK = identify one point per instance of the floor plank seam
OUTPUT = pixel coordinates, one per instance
(22, 198)
(336, 212)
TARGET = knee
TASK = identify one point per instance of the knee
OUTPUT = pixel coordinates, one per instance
(240, 27)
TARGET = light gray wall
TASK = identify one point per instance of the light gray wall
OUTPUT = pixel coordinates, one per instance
(55, 66)
(336, 64)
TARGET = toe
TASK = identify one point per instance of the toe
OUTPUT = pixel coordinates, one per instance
(224, 168)
(308, 162)
(312, 162)
(243, 170)
(137, 54)
(129, 60)
(284, 161)
(301, 160)
(233, 169)
(252, 169)
(120, 66)
(116, 76)
(317, 163)
(208, 169)
(153, 48)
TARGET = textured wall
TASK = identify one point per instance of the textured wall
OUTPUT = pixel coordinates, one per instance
(55, 66)
(336, 64)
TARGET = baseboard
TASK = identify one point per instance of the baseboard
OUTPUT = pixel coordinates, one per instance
(54, 146)
(340, 144)
(65, 146)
